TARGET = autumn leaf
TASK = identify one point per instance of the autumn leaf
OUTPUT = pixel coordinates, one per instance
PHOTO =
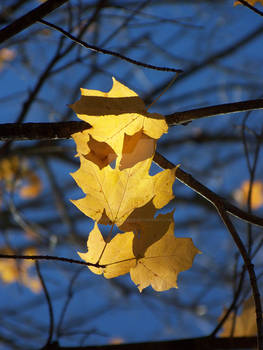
(117, 255)
(251, 2)
(241, 194)
(13, 271)
(153, 257)
(118, 192)
(16, 174)
(161, 256)
(33, 186)
(113, 115)
(243, 325)
(6, 55)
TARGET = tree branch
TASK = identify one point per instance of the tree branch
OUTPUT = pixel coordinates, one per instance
(250, 268)
(247, 4)
(205, 192)
(180, 344)
(40, 131)
(50, 308)
(48, 257)
(29, 18)
(64, 130)
(108, 52)
(185, 117)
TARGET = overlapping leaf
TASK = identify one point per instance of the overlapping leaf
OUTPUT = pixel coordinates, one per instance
(113, 115)
(151, 253)
(117, 255)
(118, 193)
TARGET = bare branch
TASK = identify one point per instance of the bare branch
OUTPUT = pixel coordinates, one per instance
(108, 52)
(40, 131)
(247, 4)
(186, 117)
(203, 191)
(180, 344)
(64, 130)
(29, 18)
(48, 257)
(50, 308)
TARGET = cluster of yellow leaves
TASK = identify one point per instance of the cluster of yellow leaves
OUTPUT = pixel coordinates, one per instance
(15, 174)
(241, 194)
(243, 325)
(251, 2)
(14, 271)
(116, 154)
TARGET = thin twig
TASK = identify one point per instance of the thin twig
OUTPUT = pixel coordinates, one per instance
(68, 299)
(108, 52)
(50, 308)
(29, 18)
(250, 268)
(49, 257)
(232, 305)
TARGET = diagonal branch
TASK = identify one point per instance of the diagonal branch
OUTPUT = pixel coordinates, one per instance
(29, 18)
(247, 4)
(206, 193)
(250, 269)
(108, 52)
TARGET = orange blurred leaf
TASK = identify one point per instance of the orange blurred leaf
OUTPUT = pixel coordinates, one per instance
(241, 194)
(19, 271)
(243, 325)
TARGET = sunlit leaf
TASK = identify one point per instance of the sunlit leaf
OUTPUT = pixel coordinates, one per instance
(117, 255)
(118, 193)
(113, 115)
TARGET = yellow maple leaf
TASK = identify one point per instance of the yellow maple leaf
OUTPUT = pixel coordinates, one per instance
(117, 255)
(241, 194)
(141, 221)
(113, 115)
(251, 2)
(118, 192)
(160, 255)
(243, 325)
(153, 257)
